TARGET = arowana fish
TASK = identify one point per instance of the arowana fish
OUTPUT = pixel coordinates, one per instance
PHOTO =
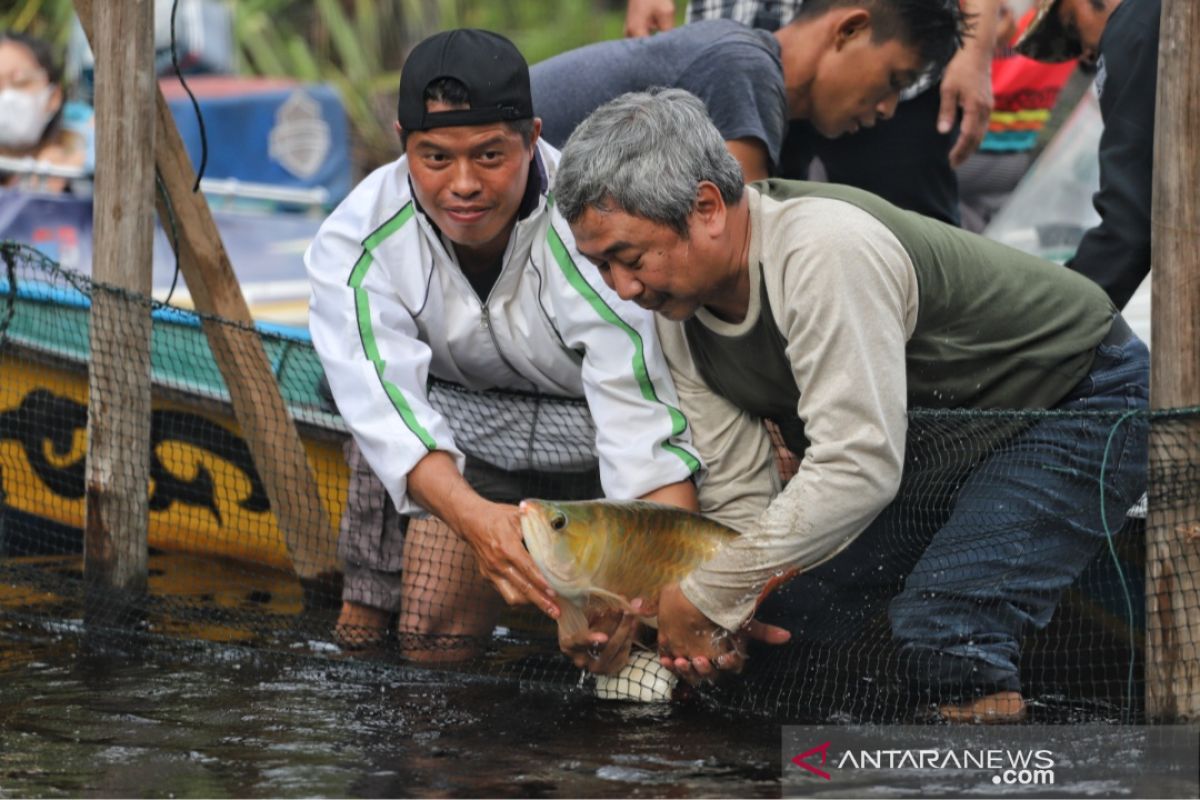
(602, 553)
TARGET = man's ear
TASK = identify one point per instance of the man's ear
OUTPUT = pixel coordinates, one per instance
(535, 135)
(398, 129)
(710, 209)
(856, 22)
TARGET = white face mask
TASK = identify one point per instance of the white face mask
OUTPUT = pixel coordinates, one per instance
(23, 116)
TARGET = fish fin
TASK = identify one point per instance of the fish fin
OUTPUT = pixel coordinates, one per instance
(572, 623)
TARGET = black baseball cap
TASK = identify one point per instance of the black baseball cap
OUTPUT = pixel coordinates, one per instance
(1045, 39)
(490, 66)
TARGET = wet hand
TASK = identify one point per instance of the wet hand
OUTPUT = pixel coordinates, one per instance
(502, 558)
(966, 84)
(605, 647)
(697, 649)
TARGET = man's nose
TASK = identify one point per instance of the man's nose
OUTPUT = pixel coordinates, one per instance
(463, 181)
(627, 287)
(887, 109)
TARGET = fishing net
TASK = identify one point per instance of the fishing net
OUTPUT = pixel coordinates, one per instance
(223, 570)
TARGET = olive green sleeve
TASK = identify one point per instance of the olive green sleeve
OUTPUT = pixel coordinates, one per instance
(846, 295)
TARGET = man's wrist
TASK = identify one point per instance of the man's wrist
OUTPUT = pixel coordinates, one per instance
(729, 613)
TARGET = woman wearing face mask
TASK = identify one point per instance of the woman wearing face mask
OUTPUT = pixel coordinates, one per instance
(32, 115)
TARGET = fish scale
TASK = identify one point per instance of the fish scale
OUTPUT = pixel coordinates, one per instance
(632, 549)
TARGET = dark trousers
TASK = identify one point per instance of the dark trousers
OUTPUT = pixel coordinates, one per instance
(962, 589)
(904, 160)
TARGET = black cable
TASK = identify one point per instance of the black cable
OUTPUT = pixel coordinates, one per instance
(162, 189)
(192, 97)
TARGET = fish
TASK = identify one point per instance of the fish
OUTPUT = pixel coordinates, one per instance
(600, 554)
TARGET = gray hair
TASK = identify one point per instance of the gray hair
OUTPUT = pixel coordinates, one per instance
(645, 153)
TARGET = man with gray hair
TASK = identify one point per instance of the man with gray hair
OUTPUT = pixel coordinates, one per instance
(830, 312)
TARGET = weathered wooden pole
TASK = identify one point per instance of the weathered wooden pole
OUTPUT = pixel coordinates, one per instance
(1173, 527)
(118, 433)
(262, 415)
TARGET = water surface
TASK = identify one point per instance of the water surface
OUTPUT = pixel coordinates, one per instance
(86, 721)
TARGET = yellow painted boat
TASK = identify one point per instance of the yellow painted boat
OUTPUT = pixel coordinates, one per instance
(205, 494)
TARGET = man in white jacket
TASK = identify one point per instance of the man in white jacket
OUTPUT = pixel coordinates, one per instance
(453, 263)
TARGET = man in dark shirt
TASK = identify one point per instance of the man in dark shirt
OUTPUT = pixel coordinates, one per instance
(1121, 36)
(839, 66)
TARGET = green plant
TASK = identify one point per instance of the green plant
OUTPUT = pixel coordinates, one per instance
(47, 19)
(358, 46)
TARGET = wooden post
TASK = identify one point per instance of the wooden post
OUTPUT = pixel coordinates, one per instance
(1173, 527)
(118, 433)
(269, 432)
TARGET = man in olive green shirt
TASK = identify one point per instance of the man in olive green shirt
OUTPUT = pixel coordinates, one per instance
(831, 313)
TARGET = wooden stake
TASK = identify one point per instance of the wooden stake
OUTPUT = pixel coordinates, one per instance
(118, 433)
(269, 432)
(1173, 527)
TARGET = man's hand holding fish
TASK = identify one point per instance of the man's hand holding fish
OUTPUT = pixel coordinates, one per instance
(491, 529)
(605, 647)
(697, 649)
(602, 557)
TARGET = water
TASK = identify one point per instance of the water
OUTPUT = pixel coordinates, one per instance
(81, 722)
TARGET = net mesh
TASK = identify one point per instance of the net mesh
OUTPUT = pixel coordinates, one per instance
(224, 570)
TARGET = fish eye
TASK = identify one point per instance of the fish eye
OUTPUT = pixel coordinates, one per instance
(558, 521)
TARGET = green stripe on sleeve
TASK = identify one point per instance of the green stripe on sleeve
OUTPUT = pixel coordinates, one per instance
(366, 332)
(585, 289)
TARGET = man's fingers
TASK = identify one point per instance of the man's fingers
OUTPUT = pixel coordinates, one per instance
(974, 126)
(524, 574)
(516, 590)
(644, 17)
(518, 557)
(963, 148)
(731, 662)
(770, 634)
(506, 590)
(948, 111)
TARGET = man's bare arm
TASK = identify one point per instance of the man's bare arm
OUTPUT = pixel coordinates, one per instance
(492, 529)
(967, 82)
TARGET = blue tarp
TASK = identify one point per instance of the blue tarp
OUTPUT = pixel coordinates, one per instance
(293, 136)
(266, 250)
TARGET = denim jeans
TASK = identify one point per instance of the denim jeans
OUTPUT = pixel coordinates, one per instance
(988, 556)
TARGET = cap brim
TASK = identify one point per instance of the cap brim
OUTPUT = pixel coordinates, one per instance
(1045, 39)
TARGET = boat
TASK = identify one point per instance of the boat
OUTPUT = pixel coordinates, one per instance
(206, 495)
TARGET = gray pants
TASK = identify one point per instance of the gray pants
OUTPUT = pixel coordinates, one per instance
(371, 531)
(985, 182)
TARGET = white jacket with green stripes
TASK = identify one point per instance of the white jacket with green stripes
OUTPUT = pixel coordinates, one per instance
(390, 307)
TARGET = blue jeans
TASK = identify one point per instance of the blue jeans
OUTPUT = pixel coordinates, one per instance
(987, 551)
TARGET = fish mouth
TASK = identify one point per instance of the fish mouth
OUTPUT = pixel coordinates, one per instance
(539, 537)
(544, 544)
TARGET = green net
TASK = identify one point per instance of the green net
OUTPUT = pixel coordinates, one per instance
(223, 570)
